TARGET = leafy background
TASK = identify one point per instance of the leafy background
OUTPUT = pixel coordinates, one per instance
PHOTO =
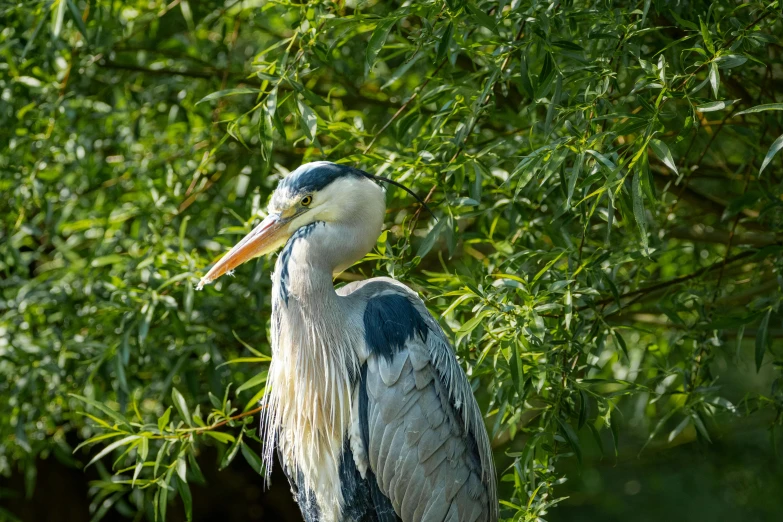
(606, 256)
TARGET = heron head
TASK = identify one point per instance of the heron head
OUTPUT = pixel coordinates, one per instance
(343, 197)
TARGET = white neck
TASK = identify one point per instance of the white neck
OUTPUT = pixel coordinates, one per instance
(310, 378)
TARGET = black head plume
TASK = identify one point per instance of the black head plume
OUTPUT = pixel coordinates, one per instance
(403, 187)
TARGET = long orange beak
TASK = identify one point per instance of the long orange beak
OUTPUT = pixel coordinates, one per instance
(267, 237)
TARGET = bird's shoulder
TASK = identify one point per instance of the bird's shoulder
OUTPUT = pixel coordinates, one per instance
(376, 286)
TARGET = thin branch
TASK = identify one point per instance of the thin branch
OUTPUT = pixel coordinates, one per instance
(180, 433)
(675, 281)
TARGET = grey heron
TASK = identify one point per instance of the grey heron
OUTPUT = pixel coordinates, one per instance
(371, 415)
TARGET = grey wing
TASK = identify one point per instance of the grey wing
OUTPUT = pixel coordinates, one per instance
(422, 429)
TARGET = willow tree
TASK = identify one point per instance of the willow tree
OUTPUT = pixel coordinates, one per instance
(607, 245)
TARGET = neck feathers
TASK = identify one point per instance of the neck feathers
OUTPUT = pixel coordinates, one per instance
(308, 400)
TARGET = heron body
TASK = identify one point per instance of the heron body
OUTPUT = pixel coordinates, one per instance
(371, 415)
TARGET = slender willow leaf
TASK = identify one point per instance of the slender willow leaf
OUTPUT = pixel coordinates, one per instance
(762, 108)
(515, 364)
(571, 437)
(681, 426)
(58, 14)
(429, 240)
(228, 92)
(102, 407)
(377, 40)
(706, 36)
(774, 149)
(182, 406)
(231, 453)
(163, 421)
(77, 19)
(111, 447)
(253, 459)
(445, 42)
(762, 339)
(662, 151)
(715, 106)
(187, 499)
(309, 120)
(254, 381)
(714, 79)
(224, 438)
(638, 208)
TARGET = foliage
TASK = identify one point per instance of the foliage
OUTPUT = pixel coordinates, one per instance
(605, 175)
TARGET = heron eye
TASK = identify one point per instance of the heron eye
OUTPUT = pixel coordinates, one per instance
(306, 201)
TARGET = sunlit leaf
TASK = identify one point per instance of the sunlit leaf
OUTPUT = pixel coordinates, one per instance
(762, 108)
(228, 92)
(378, 38)
(662, 151)
(773, 149)
(182, 406)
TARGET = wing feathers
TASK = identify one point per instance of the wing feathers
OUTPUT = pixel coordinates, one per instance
(425, 439)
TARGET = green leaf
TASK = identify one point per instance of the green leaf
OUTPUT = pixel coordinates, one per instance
(550, 111)
(144, 448)
(714, 79)
(774, 149)
(762, 108)
(164, 492)
(614, 425)
(515, 364)
(706, 36)
(253, 459)
(401, 70)
(472, 323)
(715, 106)
(762, 339)
(638, 208)
(58, 14)
(187, 499)
(645, 11)
(309, 120)
(681, 426)
(621, 341)
(430, 238)
(662, 151)
(377, 40)
(77, 19)
(231, 453)
(573, 176)
(606, 162)
(224, 438)
(229, 92)
(181, 405)
(163, 421)
(571, 437)
(182, 468)
(582, 410)
(146, 321)
(729, 61)
(700, 427)
(102, 407)
(137, 471)
(445, 42)
(111, 447)
(481, 17)
(597, 436)
(254, 381)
